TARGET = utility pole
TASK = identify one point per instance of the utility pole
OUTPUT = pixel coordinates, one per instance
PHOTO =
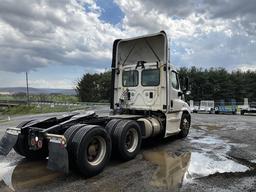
(27, 88)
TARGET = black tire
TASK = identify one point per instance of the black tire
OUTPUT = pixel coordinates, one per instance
(111, 125)
(184, 125)
(21, 147)
(84, 141)
(242, 112)
(125, 131)
(71, 131)
(69, 135)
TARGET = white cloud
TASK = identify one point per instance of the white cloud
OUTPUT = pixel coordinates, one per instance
(38, 33)
(58, 84)
(247, 67)
(10, 79)
(204, 33)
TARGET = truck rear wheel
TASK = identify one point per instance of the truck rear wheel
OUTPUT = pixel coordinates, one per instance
(127, 139)
(92, 147)
(69, 135)
(21, 147)
(184, 125)
(111, 125)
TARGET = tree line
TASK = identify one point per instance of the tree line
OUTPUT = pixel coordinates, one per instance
(219, 84)
(205, 84)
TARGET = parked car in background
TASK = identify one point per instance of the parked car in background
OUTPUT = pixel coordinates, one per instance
(206, 106)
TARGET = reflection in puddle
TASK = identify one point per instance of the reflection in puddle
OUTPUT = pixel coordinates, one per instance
(171, 170)
(209, 141)
(25, 175)
(207, 127)
(203, 165)
(175, 170)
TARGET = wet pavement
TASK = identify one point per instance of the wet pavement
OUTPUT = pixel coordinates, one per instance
(218, 155)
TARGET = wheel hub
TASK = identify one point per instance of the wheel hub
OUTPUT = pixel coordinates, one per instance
(96, 150)
(131, 140)
(185, 124)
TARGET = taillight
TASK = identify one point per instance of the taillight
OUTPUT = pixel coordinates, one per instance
(39, 144)
(36, 142)
(33, 142)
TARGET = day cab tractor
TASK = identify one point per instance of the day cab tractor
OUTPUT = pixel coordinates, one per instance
(147, 103)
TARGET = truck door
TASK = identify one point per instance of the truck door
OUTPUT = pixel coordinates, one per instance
(173, 117)
(175, 92)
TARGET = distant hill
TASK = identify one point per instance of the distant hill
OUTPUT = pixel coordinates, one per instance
(38, 91)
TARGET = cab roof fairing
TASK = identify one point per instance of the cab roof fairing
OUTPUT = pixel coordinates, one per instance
(149, 48)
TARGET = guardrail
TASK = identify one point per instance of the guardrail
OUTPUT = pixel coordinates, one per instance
(11, 103)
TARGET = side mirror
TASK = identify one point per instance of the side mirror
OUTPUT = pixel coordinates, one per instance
(185, 85)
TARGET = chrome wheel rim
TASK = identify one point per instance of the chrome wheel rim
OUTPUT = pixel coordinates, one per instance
(96, 150)
(131, 140)
(185, 124)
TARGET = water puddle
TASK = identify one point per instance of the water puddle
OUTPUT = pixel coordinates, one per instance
(253, 161)
(171, 170)
(209, 140)
(174, 170)
(25, 175)
(207, 127)
(202, 165)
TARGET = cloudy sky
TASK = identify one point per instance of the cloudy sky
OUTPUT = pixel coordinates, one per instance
(57, 41)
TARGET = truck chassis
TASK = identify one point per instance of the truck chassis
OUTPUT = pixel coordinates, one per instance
(84, 141)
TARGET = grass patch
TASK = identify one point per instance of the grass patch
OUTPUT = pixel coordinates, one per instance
(41, 98)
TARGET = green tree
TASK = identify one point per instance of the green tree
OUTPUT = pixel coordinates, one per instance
(94, 87)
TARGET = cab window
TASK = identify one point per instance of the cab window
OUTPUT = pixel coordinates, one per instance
(150, 77)
(174, 80)
(130, 78)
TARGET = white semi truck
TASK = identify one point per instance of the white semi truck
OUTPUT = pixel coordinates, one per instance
(146, 103)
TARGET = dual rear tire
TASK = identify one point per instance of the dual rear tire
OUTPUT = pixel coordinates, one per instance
(126, 139)
(90, 146)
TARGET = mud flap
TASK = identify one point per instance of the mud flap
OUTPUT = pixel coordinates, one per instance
(58, 157)
(7, 142)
